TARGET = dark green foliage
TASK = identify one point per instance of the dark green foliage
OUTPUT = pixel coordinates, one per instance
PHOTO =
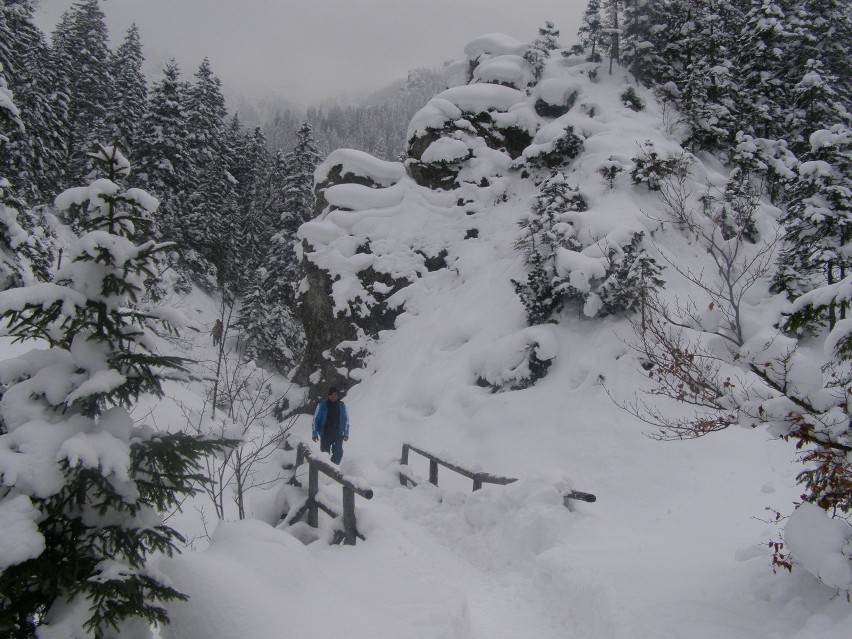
(610, 172)
(126, 111)
(562, 150)
(83, 64)
(591, 32)
(652, 169)
(33, 159)
(631, 99)
(543, 233)
(632, 277)
(818, 220)
(539, 51)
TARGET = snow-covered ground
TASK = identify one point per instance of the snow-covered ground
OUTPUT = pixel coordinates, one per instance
(675, 545)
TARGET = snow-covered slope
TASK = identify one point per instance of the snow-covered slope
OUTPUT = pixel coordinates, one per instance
(676, 544)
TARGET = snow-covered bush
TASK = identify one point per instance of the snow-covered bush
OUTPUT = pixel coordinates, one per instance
(555, 153)
(631, 99)
(610, 171)
(517, 361)
(651, 167)
(611, 275)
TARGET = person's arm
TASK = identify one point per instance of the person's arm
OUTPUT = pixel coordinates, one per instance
(345, 415)
(316, 425)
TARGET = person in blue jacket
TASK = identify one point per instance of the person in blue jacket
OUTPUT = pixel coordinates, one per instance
(331, 425)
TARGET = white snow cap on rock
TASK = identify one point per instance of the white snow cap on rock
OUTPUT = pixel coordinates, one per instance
(360, 164)
(504, 69)
(493, 44)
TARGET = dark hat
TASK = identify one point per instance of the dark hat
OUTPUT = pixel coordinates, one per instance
(333, 391)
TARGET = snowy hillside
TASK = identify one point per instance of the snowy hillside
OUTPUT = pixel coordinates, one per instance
(421, 322)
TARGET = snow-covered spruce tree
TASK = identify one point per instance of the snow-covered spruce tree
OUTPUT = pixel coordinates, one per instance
(540, 49)
(818, 221)
(205, 225)
(633, 277)
(33, 158)
(543, 233)
(299, 205)
(591, 32)
(127, 108)
(83, 56)
(638, 52)
(613, 19)
(717, 354)
(81, 485)
(762, 63)
(558, 153)
(25, 251)
(162, 150)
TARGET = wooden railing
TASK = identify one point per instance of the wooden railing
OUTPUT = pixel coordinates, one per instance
(312, 505)
(479, 478)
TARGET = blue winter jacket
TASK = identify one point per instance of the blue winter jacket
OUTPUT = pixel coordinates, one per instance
(321, 414)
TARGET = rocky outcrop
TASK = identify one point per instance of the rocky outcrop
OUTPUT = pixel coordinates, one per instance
(382, 226)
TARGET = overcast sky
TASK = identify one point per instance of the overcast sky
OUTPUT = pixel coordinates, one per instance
(308, 50)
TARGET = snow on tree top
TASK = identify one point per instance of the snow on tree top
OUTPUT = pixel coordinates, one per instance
(494, 44)
(360, 164)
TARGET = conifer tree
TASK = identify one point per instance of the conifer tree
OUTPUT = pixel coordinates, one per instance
(300, 165)
(129, 104)
(591, 32)
(83, 55)
(543, 234)
(762, 61)
(89, 485)
(163, 154)
(34, 156)
(539, 51)
(818, 220)
(206, 114)
(613, 20)
(638, 52)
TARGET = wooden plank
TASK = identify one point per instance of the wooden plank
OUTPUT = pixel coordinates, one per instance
(433, 471)
(576, 494)
(335, 474)
(483, 478)
(313, 489)
(349, 530)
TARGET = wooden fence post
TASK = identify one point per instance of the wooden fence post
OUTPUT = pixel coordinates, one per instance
(349, 530)
(433, 472)
(313, 489)
(477, 481)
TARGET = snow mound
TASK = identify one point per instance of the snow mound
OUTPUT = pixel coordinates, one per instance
(256, 581)
(504, 69)
(822, 546)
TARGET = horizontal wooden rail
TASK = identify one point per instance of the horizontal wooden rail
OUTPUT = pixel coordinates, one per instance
(312, 505)
(435, 461)
(478, 478)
